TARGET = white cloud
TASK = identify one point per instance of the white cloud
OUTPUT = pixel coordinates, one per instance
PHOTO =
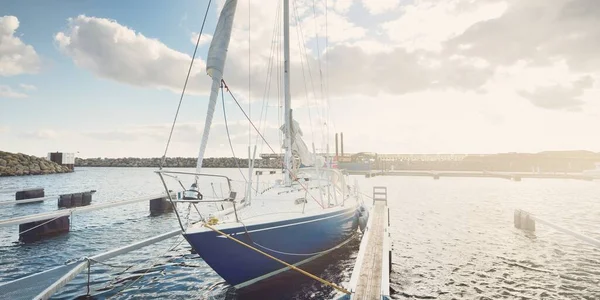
(339, 28)
(41, 134)
(28, 87)
(426, 24)
(538, 32)
(7, 92)
(110, 50)
(205, 39)
(560, 96)
(551, 86)
(376, 7)
(436, 76)
(341, 6)
(15, 56)
(186, 137)
(4, 129)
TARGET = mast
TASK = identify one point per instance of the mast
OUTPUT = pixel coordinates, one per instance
(286, 84)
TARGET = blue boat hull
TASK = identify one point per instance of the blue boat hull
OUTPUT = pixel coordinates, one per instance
(294, 241)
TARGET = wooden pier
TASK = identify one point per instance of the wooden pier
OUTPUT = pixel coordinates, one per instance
(516, 176)
(370, 277)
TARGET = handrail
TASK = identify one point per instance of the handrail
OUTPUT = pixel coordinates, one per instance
(231, 197)
(196, 174)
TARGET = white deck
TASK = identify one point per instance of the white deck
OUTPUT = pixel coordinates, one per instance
(283, 203)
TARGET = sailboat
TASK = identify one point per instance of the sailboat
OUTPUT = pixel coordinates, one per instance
(308, 213)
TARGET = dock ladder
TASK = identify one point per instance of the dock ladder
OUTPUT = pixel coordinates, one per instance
(380, 194)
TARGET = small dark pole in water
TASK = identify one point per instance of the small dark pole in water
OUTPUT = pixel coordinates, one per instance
(342, 143)
(337, 153)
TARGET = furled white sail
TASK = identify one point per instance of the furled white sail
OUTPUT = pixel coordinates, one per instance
(298, 145)
(215, 63)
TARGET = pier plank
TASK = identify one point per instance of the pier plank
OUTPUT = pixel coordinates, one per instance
(369, 280)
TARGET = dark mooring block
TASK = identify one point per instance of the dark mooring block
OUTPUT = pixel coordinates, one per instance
(29, 194)
(87, 198)
(35, 231)
(75, 199)
(160, 205)
(65, 200)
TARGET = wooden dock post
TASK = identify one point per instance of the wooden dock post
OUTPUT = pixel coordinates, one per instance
(160, 205)
(30, 194)
(526, 221)
(35, 231)
(523, 220)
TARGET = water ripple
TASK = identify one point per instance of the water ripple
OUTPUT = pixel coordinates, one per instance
(452, 238)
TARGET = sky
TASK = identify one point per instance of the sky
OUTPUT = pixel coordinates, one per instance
(104, 78)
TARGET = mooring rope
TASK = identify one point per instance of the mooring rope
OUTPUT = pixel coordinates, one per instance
(291, 172)
(331, 284)
(304, 254)
(39, 225)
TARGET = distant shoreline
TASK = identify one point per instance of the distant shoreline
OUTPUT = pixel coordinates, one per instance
(177, 162)
(547, 161)
(16, 164)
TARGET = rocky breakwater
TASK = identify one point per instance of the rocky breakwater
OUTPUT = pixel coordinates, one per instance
(176, 162)
(16, 164)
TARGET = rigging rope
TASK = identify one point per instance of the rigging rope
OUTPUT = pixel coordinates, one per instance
(246, 115)
(302, 59)
(265, 140)
(267, 89)
(304, 53)
(327, 70)
(228, 136)
(305, 254)
(187, 77)
(249, 83)
(319, 54)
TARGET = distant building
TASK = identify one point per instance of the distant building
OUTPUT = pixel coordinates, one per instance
(63, 159)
